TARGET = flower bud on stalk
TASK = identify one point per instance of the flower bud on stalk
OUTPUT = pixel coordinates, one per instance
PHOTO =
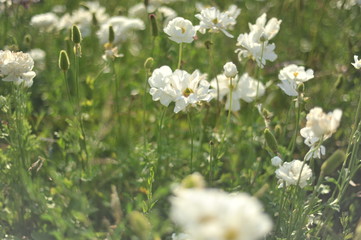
(153, 22)
(76, 38)
(64, 62)
(111, 34)
(332, 163)
(271, 140)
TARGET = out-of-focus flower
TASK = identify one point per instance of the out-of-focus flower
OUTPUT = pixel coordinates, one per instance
(111, 52)
(294, 173)
(270, 29)
(180, 30)
(122, 27)
(276, 161)
(44, 22)
(38, 55)
(214, 20)
(244, 87)
(357, 63)
(181, 236)
(291, 76)
(25, 3)
(213, 214)
(17, 67)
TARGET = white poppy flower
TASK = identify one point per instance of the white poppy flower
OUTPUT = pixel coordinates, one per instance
(270, 29)
(214, 20)
(292, 173)
(44, 22)
(214, 214)
(180, 30)
(291, 76)
(159, 85)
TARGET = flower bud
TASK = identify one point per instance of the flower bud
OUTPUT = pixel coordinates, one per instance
(64, 62)
(271, 140)
(230, 70)
(276, 161)
(153, 22)
(332, 163)
(139, 224)
(111, 34)
(94, 19)
(76, 35)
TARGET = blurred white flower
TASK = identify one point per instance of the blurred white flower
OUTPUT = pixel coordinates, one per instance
(252, 47)
(122, 27)
(168, 14)
(180, 30)
(291, 76)
(276, 161)
(292, 173)
(357, 63)
(244, 87)
(230, 70)
(233, 11)
(44, 22)
(38, 55)
(270, 29)
(189, 89)
(17, 67)
(214, 20)
(110, 52)
(159, 85)
(213, 214)
(180, 236)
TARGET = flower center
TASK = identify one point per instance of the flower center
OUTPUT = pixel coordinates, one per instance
(183, 29)
(231, 234)
(187, 92)
(295, 74)
(215, 21)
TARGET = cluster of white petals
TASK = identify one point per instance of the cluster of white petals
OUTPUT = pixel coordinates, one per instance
(291, 76)
(180, 87)
(45, 22)
(17, 67)
(230, 70)
(319, 126)
(255, 44)
(215, 20)
(206, 214)
(244, 87)
(180, 30)
(357, 63)
(293, 173)
(122, 27)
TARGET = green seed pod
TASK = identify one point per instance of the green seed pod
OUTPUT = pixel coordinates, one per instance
(332, 163)
(27, 40)
(271, 140)
(64, 62)
(139, 224)
(76, 35)
(148, 64)
(111, 34)
(153, 22)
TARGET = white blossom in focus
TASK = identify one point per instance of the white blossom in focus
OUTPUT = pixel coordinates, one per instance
(292, 173)
(180, 30)
(159, 85)
(291, 76)
(215, 20)
(357, 63)
(44, 22)
(17, 67)
(213, 214)
(269, 30)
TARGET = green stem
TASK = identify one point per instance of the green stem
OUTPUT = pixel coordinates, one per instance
(180, 56)
(192, 136)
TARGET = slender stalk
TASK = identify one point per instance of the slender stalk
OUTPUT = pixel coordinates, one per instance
(192, 136)
(180, 56)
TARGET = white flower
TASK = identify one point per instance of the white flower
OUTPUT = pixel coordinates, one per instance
(168, 14)
(110, 52)
(321, 125)
(122, 27)
(357, 63)
(276, 161)
(292, 173)
(180, 236)
(291, 76)
(17, 67)
(270, 29)
(38, 55)
(233, 12)
(180, 30)
(213, 214)
(44, 22)
(214, 20)
(230, 70)
(159, 85)
(245, 88)
(189, 89)
(252, 47)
